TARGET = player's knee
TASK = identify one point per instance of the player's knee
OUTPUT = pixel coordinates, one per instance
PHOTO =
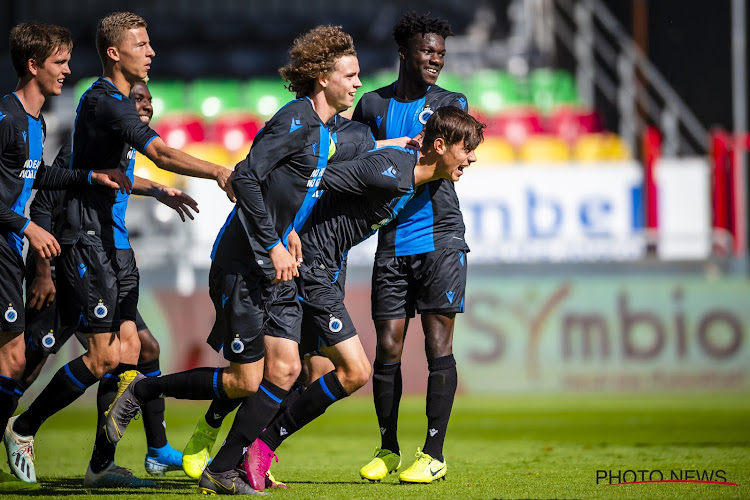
(14, 363)
(283, 372)
(149, 350)
(354, 376)
(104, 362)
(389, 349)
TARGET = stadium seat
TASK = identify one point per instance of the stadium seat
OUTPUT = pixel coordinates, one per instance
(238, 155)
(544, 148)
(494, 151)
(168, 97)
(177, 130)
(550, 88)
(235, 130)
(264, 96)
(492, 91)
(604, 146)
(515, 125)
(210, 98)
(570, 122)
(208, 151)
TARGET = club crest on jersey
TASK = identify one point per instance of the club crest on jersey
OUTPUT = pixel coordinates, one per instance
(425, 115)
(237, 346)
(48, 340)
(335, 324)
(100, 311)
(11, 315)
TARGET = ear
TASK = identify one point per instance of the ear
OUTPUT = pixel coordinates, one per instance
(113, 54)
(32, 67)
(440, 146)
(323, 81)
(402, 53)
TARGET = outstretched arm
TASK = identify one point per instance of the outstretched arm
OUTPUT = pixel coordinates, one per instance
(169, 196)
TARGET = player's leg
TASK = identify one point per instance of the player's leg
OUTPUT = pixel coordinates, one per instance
(443, 278)
(84, 295)
(160, 455)
(392, 306)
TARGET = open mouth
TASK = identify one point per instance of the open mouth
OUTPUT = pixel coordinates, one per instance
(145, 118)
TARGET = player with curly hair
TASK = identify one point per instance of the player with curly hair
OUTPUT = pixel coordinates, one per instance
(251, 282)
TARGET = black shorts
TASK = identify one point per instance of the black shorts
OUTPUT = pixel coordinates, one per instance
(249, 307)
(97, 287)
(12, 318)
(325, 320)
(432, 283)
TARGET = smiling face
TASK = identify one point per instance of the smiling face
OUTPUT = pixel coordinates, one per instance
(424, 57)
(135, 53)
(140, 94)
(51, 74)
(340, 87)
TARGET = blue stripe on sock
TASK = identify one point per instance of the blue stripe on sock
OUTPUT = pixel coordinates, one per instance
(73, 378)
(326, 390)
(8, 378)
(215, 383)
(278, 400)
(19, 392)
(6, 391)
(109, 375)
(153, 374)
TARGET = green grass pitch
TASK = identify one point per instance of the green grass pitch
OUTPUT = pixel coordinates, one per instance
(531, 446)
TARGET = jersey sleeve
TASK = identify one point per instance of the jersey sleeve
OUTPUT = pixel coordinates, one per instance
(8, 218)
(284, 135)
(353, 139)
(371, 176)
(117, 114)
(45, 201)
(362, 115)
(455, 99)
(58, 175)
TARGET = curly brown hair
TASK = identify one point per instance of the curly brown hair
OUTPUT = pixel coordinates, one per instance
(112, 30)
(313, 54)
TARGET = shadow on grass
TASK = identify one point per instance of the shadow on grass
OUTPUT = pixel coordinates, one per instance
(66, 486)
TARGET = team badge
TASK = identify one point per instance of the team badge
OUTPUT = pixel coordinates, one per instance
(237, 346)
(100, 311)
(48, 340)
(11, 315)
(335, 324)
(425, 115)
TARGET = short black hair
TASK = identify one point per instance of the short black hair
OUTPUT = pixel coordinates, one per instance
(412, 24)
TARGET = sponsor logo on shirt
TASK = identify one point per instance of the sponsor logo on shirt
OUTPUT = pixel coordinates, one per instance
(29, 169)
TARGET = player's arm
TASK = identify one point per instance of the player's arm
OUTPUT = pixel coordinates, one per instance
(275, 143)
(42, 289)
(369, 176)
(178, 162)
(169, 196)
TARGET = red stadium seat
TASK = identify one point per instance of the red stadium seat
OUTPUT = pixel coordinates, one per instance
(569, 123)
(177, 130)
(235, 130)
(515, 125)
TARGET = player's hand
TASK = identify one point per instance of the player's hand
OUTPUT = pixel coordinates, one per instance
(402, 142)
(295, 246)
(44, 244)
(178, 201)
(224, 180)
(284, 264)
(41, 293)
(112, 178)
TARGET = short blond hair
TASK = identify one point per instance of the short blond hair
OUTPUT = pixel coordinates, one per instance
(112, 30)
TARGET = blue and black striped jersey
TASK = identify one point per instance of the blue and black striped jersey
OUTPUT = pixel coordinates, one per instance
(275, 185)
(360, 196)
(432, 220)
(21, 168)
(107, 134)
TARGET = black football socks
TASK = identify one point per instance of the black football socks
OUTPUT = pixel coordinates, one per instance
(153, 411)
(386, 393)
(104, 451)
(67, 385)
(441, 389)
(196, 384)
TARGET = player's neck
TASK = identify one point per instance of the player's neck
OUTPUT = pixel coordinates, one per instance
(118, 79)
(324, 110)
(30, 96)
(426, 168)
(409, 89)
